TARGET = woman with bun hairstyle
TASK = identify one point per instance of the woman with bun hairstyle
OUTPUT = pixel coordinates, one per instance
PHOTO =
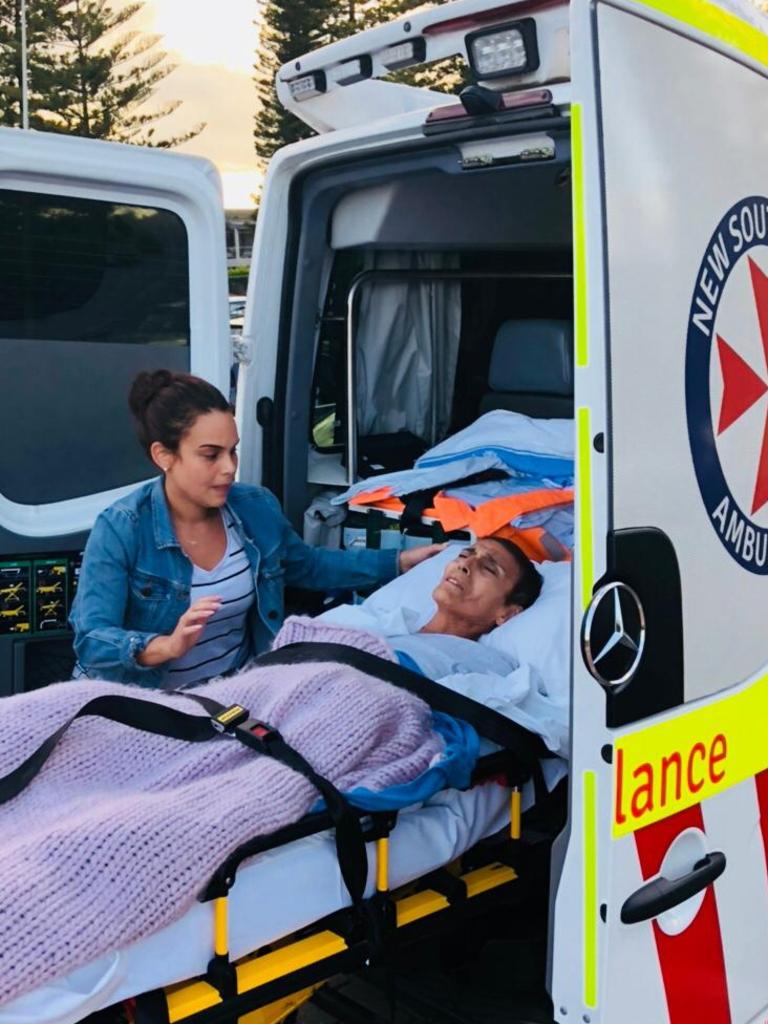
(183, 579)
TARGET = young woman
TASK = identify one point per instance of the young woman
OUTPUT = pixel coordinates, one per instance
(183, 579)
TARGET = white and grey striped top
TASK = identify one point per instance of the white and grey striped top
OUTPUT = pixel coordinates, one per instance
(221, 641)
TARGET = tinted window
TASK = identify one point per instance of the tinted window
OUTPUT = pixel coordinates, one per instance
(90, 293)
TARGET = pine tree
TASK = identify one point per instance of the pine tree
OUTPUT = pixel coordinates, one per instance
(42, 17)
(288, 29)
(86, 76)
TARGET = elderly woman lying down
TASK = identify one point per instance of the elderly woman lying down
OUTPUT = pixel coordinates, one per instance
(472, 618)
(120, 831)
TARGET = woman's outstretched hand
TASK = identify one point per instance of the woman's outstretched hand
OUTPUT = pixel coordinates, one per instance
(412, 556)
(185, 635)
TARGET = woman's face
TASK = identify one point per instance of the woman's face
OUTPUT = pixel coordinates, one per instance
(476, 585)
(203, 469)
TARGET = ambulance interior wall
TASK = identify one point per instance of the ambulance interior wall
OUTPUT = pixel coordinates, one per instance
(513, 219)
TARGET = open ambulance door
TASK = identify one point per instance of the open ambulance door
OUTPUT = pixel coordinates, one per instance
(661, 910)
(113, 261)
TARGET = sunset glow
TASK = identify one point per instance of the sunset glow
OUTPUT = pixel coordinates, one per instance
(213, 46)
(221, 33)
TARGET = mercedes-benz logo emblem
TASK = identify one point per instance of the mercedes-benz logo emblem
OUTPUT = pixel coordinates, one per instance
(613, 634)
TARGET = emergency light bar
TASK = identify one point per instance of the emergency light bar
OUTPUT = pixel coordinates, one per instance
(504, 50)
(404, 55)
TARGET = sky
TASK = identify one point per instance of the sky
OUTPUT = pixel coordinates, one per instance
(213, 45)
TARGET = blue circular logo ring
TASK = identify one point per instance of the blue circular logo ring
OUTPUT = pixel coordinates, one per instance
(743, 227)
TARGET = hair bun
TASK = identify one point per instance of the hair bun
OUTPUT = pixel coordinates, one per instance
(145, 387)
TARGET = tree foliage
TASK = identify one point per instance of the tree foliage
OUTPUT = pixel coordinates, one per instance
(89, 74)
(291, 28)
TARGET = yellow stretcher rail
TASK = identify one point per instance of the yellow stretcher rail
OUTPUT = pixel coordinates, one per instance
(189, 998)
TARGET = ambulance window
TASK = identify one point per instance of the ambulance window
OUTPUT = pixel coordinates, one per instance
(91, 292)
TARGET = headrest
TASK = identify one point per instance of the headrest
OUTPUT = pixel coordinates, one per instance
(533, 357)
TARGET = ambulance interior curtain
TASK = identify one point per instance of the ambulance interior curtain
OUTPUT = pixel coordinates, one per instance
(406, 347)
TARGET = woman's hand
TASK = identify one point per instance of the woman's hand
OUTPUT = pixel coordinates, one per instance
(412, 556)
(185, 635)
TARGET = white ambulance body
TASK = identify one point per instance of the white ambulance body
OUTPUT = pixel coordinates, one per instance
(612, 174)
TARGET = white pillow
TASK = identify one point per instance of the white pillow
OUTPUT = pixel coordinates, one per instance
(539, 636)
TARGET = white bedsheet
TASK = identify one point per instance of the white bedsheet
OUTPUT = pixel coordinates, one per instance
(276, 893)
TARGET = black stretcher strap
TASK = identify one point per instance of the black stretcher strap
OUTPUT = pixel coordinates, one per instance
(488, 723)
(527, 748)
(350, 844)
(131, 711)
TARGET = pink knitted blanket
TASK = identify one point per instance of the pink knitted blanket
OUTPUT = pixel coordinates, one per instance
(121, 829)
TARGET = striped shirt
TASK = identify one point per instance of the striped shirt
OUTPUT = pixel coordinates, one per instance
(221, 642)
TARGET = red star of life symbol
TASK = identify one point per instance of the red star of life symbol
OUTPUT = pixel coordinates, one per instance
(742, 386)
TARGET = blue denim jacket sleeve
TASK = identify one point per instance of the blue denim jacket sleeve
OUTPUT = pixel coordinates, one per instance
(324, 569)
(104, 649)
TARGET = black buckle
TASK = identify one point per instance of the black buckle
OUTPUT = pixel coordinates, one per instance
(263, 732)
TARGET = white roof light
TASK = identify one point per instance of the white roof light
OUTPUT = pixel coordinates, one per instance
(350, 71)
(505, 50)
(404, 55)
(307, 86)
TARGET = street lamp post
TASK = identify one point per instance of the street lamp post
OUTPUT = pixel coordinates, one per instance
(24, 88)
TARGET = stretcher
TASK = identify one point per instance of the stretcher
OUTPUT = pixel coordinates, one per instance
(233, 942)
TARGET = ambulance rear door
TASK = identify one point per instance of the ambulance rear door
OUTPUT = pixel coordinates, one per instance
(661, 912)
(113, 261)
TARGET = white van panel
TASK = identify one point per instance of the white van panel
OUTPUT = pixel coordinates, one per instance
(678, 154)
(55, 165)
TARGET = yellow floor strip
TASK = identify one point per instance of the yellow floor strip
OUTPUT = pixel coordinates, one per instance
(276, 1012)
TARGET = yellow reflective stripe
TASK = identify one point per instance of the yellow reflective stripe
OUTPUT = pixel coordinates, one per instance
(515, 813)
(674, 764)
(382, 864)
(220, 927)
(579, 238)
(584, 503)
(715, 22)
(589, 787)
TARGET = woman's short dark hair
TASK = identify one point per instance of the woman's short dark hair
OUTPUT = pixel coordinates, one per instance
(529, 582)
(166, 405)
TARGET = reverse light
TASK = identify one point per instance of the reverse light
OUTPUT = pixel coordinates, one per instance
(503, 50)
(307, 86)
(404, 55)
(350, 71)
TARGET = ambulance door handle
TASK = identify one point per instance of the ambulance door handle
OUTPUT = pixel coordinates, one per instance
(662, 893)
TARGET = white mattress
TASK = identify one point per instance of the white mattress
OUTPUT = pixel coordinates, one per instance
(276, 893)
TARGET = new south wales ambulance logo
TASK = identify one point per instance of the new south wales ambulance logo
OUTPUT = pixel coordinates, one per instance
(726, 382)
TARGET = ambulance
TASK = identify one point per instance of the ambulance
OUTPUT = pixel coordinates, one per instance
(604, 177)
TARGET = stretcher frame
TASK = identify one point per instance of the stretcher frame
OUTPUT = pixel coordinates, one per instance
(266, 986)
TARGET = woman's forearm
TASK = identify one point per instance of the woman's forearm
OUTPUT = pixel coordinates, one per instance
(157, 652)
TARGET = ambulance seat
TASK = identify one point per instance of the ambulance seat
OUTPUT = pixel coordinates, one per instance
(531, 369)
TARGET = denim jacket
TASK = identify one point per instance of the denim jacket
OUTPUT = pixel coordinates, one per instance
(135, 579)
